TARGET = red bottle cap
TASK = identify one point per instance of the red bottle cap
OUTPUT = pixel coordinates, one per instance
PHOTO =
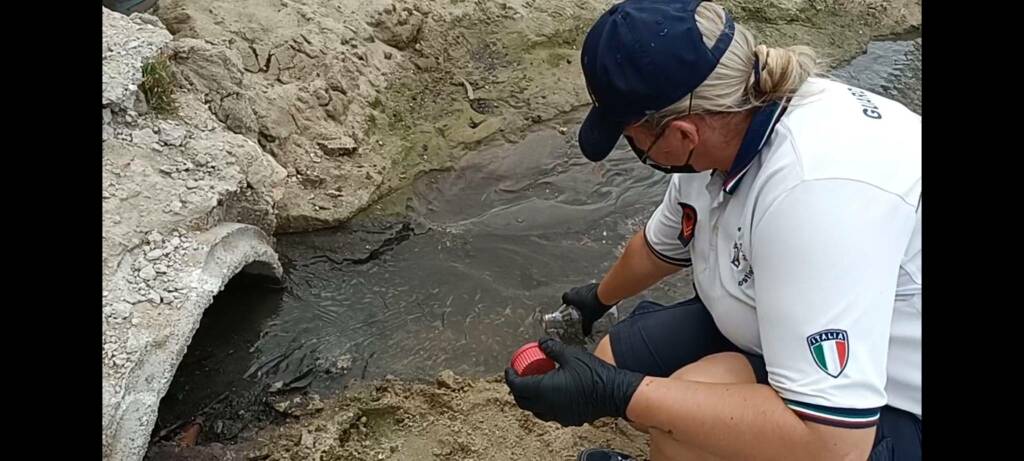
(530, 360)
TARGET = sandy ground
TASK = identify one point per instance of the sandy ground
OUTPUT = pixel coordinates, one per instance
(453, 418)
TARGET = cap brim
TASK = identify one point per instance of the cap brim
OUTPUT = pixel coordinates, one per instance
(599, 134)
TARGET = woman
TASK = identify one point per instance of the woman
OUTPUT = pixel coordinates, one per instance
(796, 201)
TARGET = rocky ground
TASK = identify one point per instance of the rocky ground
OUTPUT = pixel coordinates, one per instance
(186, 205)
(294, 115)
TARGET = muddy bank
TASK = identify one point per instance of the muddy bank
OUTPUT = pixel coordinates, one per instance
(453, 418)
(354, 99)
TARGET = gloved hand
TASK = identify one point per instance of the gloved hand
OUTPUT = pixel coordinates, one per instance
(582, 389)
(585, 300)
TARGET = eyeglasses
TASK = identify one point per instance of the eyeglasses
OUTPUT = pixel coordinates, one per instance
(644, 155)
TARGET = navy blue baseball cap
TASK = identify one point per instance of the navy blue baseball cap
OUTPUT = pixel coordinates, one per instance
(640, 57)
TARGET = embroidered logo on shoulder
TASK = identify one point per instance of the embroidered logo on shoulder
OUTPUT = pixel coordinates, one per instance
(688, 223)
(830, 350)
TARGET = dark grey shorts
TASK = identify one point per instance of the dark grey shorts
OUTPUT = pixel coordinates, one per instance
(657, 340)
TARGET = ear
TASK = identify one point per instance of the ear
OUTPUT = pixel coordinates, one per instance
(687, 133)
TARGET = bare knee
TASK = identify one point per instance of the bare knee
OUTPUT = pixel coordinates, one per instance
(725, 367)
(604, 350)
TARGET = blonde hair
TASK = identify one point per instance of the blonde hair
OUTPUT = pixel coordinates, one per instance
(734, 86)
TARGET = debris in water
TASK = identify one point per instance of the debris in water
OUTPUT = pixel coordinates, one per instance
(339, 365)
(299, 406)
(190, 434)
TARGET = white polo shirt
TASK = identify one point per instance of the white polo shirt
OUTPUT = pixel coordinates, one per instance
(810, 253)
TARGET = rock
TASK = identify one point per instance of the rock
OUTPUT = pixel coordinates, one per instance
(237, 114)
(338, 146)
(144, 137)
(282, 406)
(119, 311)
(314, 404)
(127, 44)
(106, 116)
(171, 134)
(424, 64)
(140, 106)
(142, 18)
(155, 254)
(134, 297)
(190, 184)
(147, 273)
(446, 379)
(399, 29)
(154, 237)
(322, 98)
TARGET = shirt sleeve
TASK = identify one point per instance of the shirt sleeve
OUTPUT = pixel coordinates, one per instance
(826, 255)
(664, 233)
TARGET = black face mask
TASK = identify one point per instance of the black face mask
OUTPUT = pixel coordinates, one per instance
(667, 169)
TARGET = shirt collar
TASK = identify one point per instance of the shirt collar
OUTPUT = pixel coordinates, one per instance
(761, 128)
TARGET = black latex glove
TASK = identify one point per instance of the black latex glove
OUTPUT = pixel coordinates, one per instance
(585, 300)
(582, 389)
